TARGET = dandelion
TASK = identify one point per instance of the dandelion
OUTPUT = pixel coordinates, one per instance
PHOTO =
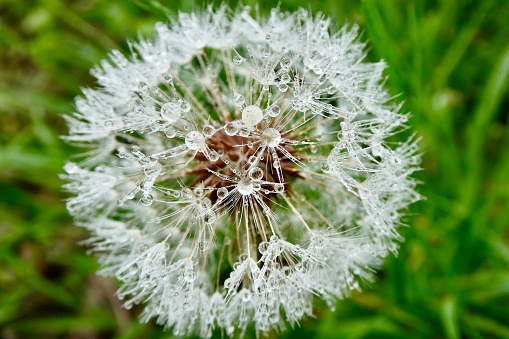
(239, 167)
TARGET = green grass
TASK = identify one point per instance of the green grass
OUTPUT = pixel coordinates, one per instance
(448, 60)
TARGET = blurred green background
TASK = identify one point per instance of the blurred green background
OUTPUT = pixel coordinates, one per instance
(448, 59)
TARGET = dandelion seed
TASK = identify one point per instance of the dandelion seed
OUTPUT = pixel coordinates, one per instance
(239, 169)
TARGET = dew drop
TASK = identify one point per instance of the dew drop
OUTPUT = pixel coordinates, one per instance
(238, 60)
(282, 87)
(208, 131)
(285, 63)
(256, 173)
(170, 112)
(244, 132)
(170, 132)
(245, 186)
(212, 156)
(285, 78)
(252, 115)
(195, 141)
(168, 79)
(187, 193)
(185, 106)
(271, 137)
(325, 167)
(231, 129)
(274, 111)
(313, 149)
(279, 188)
(263, 247)
(222, 193)
(147, 199)
(209, 217)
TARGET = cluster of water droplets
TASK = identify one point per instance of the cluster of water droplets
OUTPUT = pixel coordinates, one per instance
(247, 170)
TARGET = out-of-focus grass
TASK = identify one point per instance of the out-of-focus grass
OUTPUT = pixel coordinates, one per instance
(450, 61)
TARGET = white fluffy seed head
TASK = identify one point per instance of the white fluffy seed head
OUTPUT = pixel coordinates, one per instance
(269, 148)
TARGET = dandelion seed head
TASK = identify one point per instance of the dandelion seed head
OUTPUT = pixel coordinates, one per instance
(238, 168)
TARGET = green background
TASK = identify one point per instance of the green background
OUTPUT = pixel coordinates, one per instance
(448, 60)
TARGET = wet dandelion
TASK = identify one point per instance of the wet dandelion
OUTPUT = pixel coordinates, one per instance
(238, 168)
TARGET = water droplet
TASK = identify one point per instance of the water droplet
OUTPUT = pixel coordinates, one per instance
(271, 137)
(256, 173)
(231, 129)
(238, 60)
(209, 217)
(263, 247)
(185, 106)
(170, 132)
(208, 131)
(245, 186)
(313, 149)
(199, 191)
(282, 87)
(252, 115)
(274, 238)
(212, 156)
(143, 86)
(222, 193)
(244, 132)
(168, 79)
(195, 141)
(285, 63)
(274, 111)
(187, 193)
(170, 112)
(285, 78)
(325, 167)
(147, 199)
(238, 99)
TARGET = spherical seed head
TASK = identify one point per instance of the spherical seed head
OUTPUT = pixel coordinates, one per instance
(239, 169)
